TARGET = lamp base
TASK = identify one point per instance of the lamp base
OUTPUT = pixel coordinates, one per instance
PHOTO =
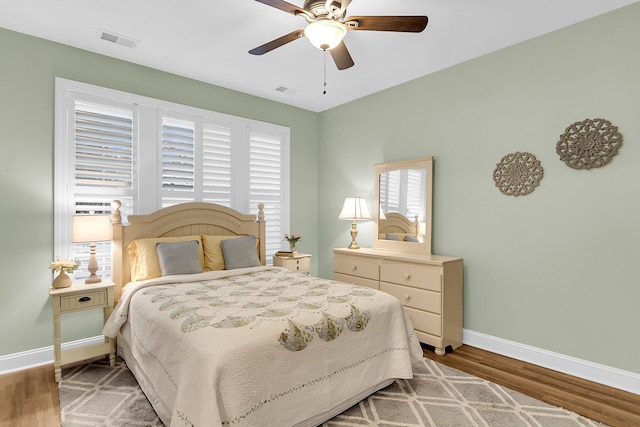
(93, 279)
(93, 266)
(354, 233)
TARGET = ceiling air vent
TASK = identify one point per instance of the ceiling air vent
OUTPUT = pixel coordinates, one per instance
(118, 39)
(287, 90)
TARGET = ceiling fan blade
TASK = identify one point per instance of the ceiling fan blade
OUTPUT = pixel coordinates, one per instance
(280, 41)
(283, 5)
(341, 56)
(404, 24)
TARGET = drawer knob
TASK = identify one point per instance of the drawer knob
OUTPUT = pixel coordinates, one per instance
(407, 297)
(354, 267)
(84, 299)
(407, 276)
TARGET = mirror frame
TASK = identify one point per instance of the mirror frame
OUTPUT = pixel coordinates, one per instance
(424, 247)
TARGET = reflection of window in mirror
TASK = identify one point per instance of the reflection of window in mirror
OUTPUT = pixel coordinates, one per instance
(403, 191)
(403, 205)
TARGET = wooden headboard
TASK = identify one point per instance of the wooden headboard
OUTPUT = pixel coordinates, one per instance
(180, 220)
(398, 223)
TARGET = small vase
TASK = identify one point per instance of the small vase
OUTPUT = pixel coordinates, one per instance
(62, 280)
(293, 248)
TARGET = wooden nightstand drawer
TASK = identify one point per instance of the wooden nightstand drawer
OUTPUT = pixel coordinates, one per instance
(355, 267)
(415, 298)
(418, 276)
(299, 262)
(82, 301)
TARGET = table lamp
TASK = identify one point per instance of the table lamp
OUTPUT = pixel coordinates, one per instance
(91, 229)
(354, 209)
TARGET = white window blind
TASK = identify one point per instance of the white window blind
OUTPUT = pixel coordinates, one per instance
(150, 153)
(178, 161)
(390, 192)
(265, 184)
(216, 164)
(402, 191)
(103, 146)
(414, 194)
(103, 169)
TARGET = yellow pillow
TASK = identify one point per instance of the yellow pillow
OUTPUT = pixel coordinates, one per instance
(213, 257)
(143, 259)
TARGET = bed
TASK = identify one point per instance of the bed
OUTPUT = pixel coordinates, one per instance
(248, 344)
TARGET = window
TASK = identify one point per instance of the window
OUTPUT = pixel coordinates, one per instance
(402, 191)
(150, 153)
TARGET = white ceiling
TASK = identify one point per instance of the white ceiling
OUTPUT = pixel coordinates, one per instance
(209, 40)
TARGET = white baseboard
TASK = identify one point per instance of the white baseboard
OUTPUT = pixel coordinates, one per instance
(602, 374)
(39, 356)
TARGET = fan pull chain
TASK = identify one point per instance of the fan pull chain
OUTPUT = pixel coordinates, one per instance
(324, 64)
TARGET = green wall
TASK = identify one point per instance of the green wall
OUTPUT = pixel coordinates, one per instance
(28, 67)
(555, 269)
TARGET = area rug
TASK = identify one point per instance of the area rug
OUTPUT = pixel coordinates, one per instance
(438, 396)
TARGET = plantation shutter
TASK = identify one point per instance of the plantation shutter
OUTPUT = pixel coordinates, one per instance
(390, 192)
(266, 185)
(178, 161)
(414, 194)
(103, 170)
(216, 164)
(150, 153)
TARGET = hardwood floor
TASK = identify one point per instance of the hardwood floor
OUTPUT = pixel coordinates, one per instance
(30, 398)
(607, 405)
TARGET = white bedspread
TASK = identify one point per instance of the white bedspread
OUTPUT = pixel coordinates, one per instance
(262, 346)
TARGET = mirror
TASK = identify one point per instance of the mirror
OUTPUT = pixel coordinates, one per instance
(402, 208)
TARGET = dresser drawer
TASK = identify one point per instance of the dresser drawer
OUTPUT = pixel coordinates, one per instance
(425, 322)
(81, 301)
(415, 298)
(354, 266)
(355, 280)
(418, 276)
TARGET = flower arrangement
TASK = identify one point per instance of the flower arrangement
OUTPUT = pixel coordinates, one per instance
(292, 239)
(66, 265)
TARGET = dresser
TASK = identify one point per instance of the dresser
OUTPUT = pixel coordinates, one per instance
(429, 287)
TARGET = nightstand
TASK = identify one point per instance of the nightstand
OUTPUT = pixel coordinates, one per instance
(299, 262)
(78, 297)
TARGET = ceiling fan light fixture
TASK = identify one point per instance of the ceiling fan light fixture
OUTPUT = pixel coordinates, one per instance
(325, 34)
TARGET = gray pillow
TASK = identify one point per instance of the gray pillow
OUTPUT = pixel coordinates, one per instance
(409, 238)
(240, 252)
(391, 236)
(179, 257)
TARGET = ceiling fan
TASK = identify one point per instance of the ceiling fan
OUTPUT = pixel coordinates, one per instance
(327, 26)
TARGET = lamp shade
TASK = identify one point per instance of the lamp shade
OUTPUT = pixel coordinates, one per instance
(325, 34)
(354, 208)
(91, 228)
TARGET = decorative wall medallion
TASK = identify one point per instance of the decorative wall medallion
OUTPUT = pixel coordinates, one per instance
(518, 174)
(588, 144)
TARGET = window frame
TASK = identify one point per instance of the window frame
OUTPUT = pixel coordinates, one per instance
(147, 152)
